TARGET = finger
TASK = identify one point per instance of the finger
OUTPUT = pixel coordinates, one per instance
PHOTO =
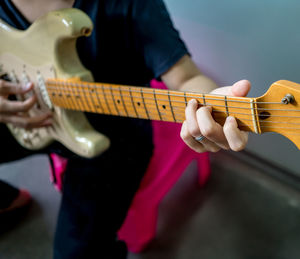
(200, 147)
(236, 138)
(189, 139)
(209, 145)
(27, 122)
(7, 88)
(8, 106)
(191, 118)
(210, 128)
(238, 89)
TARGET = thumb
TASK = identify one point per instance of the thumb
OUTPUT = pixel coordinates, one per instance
(238, 89)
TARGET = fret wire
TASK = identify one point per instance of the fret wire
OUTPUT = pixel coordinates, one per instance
(204, 99)
(63, 100)
(254, 117)
(133, 104)
(185, 99)
(158, 111)
(85, 97)
(98, 85)
(144, 103)
(78, 97)
(123, 101)
(76, 104)
(106, 101)
(98, 99)
(85, 103)
(113, 98)
(226, 105)
(171, 107)
(93, 103)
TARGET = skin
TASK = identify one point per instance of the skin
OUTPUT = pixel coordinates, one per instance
(183, 76)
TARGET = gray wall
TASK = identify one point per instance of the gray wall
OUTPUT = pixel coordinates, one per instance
(257, 40)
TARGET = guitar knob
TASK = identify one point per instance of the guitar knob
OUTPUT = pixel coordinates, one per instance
(26, 138)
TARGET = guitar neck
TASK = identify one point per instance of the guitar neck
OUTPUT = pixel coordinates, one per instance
(148, 103)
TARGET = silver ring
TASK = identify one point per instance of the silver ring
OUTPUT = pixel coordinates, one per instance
(200, 138)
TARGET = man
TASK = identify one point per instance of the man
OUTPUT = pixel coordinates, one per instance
(133, 41)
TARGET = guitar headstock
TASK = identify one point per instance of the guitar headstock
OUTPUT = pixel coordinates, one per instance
(278, 110)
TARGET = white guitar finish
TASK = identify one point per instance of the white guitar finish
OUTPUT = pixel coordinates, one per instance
(47, 50)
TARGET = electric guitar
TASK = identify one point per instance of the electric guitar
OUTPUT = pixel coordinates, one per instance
(45, 54)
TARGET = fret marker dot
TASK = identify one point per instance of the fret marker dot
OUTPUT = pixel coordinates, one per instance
(138, 103)
(118, 101)
(164, 107)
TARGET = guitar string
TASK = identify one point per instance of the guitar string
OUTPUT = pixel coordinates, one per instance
(90, 96)
(215, 111)
(182, 102)
(164, 100)
(148, 91)
(155, 110)
(182, 118)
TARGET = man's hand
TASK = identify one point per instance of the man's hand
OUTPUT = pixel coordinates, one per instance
(200, 131)
(199, 122)
(14, 112)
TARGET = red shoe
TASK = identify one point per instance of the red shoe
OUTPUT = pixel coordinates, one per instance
(22, 200)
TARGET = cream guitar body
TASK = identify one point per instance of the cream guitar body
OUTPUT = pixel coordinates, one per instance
(45, 54)
(47, 50)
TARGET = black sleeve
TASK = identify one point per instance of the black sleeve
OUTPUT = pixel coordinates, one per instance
(155, 36)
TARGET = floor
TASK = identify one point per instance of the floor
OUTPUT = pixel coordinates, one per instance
(242, 213)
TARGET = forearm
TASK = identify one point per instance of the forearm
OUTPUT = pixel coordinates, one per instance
(185, 76)
(198, 83)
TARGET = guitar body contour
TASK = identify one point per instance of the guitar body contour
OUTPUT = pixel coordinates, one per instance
(47, 49)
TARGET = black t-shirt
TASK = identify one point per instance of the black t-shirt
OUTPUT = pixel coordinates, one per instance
(132, 42)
